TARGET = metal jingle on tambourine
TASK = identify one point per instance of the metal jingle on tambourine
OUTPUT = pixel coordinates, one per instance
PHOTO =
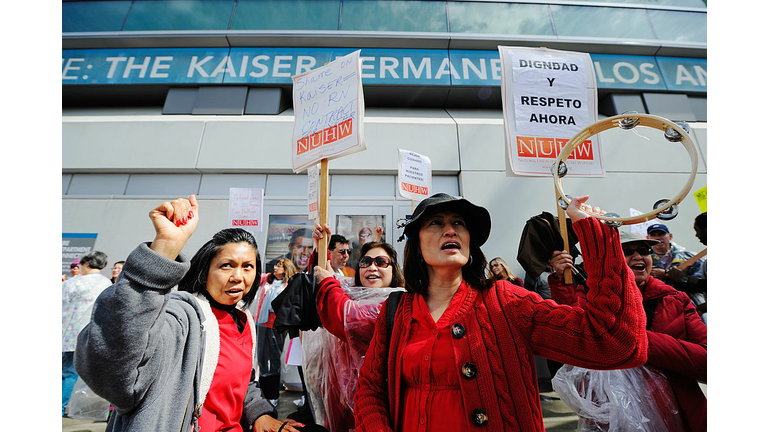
(675, 136)
(613, 223)
(561, 202)
(559, 170)
(667, 214)
(629, 122)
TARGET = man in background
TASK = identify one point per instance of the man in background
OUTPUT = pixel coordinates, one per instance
(77, 297)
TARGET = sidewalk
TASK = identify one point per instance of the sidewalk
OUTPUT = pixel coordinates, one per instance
(557, 416)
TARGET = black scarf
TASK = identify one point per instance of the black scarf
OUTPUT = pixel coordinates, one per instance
(230, 309)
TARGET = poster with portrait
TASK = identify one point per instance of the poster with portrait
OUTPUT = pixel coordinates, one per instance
(359, 229)
(289, 236)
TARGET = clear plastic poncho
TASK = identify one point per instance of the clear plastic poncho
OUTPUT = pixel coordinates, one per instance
(624, 400)
(332, 366)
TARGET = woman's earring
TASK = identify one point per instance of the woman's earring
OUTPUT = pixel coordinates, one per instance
(470, 260)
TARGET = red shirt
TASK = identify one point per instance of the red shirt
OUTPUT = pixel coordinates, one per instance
(433, 399)
(223, 405)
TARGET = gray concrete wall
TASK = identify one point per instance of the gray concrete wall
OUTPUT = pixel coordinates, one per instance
(118, 164)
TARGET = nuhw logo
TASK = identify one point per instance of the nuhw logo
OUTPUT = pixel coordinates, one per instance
(325, 136)
(537, 147)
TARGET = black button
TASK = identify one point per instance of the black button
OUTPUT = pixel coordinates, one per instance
(457, 330)
(479, 417)
(469, 370)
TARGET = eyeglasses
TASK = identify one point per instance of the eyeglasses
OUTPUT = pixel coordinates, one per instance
(381, 261)
(643, 251)
(342, 251)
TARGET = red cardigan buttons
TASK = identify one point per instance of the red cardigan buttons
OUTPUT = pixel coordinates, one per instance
(479, 417)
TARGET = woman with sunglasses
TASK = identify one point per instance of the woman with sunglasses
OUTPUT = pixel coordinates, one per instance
(677, 337)
(460, 356)
(348, 315)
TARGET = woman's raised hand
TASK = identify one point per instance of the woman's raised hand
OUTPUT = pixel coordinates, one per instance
(323, 273)
(174, 223)
(578, 209)
(318, 232)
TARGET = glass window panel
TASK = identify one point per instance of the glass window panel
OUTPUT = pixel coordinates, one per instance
(625, 23)
(382, 15)
(286, 15)
(499, 18)
(679, 26)
(93, 16)
(180, 15)
(289, 236)
(359, 229)
(681, 3)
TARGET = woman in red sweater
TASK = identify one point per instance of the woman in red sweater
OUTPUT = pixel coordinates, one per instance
(461, 352)
(677, 337)
(348, 314)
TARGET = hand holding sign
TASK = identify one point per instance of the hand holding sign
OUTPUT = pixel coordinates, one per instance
(328, 110)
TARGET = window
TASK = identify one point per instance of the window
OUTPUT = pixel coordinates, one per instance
(93, 16)
(180, 15)
(404, 16)
(286, 15)
(624, 23)
(500, 18)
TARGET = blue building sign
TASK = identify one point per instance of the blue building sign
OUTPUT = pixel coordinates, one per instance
(379, 66)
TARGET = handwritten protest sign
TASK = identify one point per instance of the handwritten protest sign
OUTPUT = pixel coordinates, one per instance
(414, 175)
(245, 208)
(313, 177)
(640, 228)
(548, 97)
(701, 198)
(328, 108)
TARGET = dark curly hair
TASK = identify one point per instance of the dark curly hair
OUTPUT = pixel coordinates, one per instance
(195, 279)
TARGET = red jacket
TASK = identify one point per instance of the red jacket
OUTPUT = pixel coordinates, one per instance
(504, 327)
(677, 343)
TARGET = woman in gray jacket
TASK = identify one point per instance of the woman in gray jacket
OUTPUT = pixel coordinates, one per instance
(179, 360)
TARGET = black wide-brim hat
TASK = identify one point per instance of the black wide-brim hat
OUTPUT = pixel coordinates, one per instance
(477, 218)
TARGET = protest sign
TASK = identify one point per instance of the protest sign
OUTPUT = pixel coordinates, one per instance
(414, 175)
(73, 246)
(313, 177)
(328, 109)
(548, 96)
(245, 208)
(639, 228)
(701, 198)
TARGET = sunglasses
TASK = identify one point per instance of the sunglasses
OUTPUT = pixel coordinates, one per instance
(643, 251)
(342, 251)
(381, 261)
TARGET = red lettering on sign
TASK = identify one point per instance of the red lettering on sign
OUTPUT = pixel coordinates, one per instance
(244, 222)
(551, 148)
(421, 190)
(325, 136)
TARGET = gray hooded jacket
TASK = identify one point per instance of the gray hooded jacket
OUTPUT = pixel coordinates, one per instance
(144, 349)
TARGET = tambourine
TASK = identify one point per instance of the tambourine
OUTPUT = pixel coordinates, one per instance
(664, 209)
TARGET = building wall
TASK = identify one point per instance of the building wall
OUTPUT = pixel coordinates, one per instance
(118, 164)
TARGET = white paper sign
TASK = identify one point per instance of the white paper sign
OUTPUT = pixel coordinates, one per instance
(313, 175)
(414, 175)
(328, 109)
(245, 208)
(640, 228)
(548, 96)
(293, 358)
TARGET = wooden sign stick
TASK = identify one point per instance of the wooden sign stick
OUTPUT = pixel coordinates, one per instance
(692, 260)
(564, 233)
(322, 212)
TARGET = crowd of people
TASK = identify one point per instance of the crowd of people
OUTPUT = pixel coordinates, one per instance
(446, 342)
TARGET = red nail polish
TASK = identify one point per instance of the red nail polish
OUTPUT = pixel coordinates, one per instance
(184, 220)
(178, 222)
(191, 214)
